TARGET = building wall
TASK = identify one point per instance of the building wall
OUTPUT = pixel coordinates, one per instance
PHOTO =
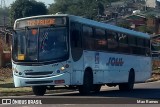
(151, 22)
(154, 23)
(151, 3)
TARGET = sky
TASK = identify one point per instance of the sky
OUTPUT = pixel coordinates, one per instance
(8, 2)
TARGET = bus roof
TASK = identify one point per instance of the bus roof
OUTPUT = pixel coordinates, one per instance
(95, 23)
(109, 27)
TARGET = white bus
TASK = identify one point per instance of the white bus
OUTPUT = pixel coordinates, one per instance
(61, 49)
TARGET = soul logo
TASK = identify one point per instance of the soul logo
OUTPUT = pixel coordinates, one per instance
(115, 61)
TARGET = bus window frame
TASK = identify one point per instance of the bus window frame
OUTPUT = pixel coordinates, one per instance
(96, 37)
(92, 48)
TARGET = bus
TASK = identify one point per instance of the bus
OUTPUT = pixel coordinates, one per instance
(71, 51)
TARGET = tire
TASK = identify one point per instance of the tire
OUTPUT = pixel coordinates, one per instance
(96, 88)
(128, 86)
(87, 83)
(39, 90)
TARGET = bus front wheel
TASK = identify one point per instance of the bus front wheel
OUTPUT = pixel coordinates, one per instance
(87, 82)
(39, 90)
(130, 84)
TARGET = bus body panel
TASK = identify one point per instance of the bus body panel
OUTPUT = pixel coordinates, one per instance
(114, 68)
(111, 67)
(77, 72)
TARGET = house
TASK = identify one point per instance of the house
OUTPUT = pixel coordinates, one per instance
(136, 20)
(151, 3)
(153, 20)
(5, 56)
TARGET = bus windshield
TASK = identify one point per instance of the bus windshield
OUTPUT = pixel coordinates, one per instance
(40, 44)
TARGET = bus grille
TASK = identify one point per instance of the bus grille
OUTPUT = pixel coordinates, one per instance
(39, 73)
(39, 82)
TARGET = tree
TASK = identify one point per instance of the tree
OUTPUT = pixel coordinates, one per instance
(86, 8)
(66, 6)
(124, 24)
(4, 14)
(26, 8)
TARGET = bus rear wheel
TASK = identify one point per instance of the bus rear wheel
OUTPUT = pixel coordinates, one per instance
(130, 84)
(39, 90)
(87, 83)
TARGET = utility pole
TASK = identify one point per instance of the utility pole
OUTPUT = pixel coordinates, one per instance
(98, 14)
(145, 5)
(3, 7)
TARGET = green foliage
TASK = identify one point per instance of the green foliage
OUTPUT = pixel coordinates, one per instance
(150, 16)
(145, 29)
(142, 28)
(85, 8)
(26, 8)
(4, 12)
(124, 24)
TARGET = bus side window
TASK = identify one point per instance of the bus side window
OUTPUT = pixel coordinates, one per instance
(76, 40)
(88, 38)
(132, 44)
(123, 43)
(147, 47)
(100, 39)
(112, 41)
(140, 46)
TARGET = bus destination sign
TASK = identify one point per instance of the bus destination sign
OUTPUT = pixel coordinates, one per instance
(40, 22)
(45, 21)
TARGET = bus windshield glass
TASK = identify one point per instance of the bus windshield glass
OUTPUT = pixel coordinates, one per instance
(40, 44)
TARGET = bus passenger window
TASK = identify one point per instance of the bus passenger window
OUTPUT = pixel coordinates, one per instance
(132, 44)
(100, 39)
(140, 42)
(140, 46)
(88, 37)
(147, 47)
(123, 43)
(132, 40)
(122, 38)
(112, 41)
(147, 43)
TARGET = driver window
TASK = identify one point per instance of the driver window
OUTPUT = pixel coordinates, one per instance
(76, 40)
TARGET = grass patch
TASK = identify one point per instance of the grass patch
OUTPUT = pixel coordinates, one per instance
(7, 89)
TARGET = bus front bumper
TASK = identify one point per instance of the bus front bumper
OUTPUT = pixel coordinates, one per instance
(62, 79)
